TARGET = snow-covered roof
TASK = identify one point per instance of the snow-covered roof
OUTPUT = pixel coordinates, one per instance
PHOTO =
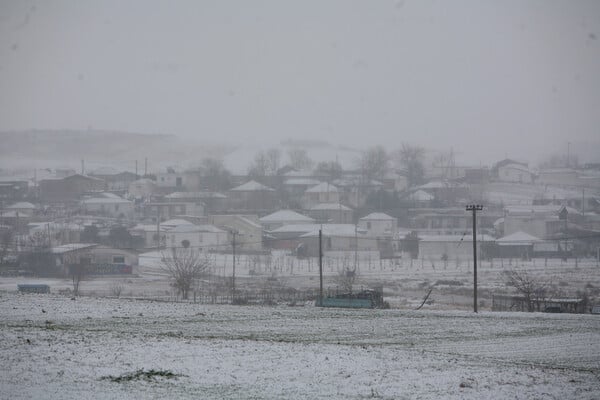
(301, 182)
(195, 195)
(330, 206)
(296, 228)
(377, 217)
(322, 187)
(22, 205)
(517, 238)
(175, 222)
(65, 248)
(105, 200)
(195, 228)
(252, 186)
(537, 209)
(286, 215)
(455, 238)
(421, 195)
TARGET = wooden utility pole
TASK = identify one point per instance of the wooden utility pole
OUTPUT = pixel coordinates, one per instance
(320, 267)
(233, 274)
(157, 227)
(474, 208)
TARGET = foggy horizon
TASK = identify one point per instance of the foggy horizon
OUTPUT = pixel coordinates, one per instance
(488, 80)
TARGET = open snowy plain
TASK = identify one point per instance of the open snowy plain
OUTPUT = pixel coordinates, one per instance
(58, 348)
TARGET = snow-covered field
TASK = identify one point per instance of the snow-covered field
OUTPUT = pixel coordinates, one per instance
(55, 347)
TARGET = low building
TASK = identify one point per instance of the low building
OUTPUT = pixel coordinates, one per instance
(253, 196)
(284, 217)
(331, 213)
(378, 224)
(201, 237)
(450, 247)
(142, 188)
(112, 206)
(336, 238)
(324, 192)
(248, 230)
(24, 208)
(69, 189)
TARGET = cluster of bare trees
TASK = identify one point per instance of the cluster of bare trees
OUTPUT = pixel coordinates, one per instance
(185, 266)
(533, 290)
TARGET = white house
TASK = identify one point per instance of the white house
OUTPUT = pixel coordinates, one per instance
(113, 206)
(378, 224)
(201, 237)
(284, 217)
(142, 188)
(322, 193)
(24, 208)
(449, 247)
(515, 172)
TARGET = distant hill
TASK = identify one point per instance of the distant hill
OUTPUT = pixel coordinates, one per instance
(43, 148)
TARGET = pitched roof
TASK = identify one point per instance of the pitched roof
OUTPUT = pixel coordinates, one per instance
(65, 248)
(286, 215)
(322, 187)
(252, 186)
(22, 205)
(517, 238)
(455, 238)
(105, 200)
(377, 217)
(195, 195)
(301, 182)
(330, 206)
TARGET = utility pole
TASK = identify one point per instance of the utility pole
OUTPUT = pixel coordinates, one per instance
(474, 208)
(355, 246)
(136, 170)
(157, 227)
(233, 274)
(320, 267)
(145, 166)
(82, 167)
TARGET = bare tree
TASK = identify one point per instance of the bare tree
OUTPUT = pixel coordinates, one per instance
(184, 266)
(374, 162)
(77, 264)
(346, 279)
(410, 160)
(531, 288)
(299, 159)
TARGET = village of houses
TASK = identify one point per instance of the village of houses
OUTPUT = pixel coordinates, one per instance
(387, 231)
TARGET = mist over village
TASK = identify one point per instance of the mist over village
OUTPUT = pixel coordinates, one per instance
(342, 200)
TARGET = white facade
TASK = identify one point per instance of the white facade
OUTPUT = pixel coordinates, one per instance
(378, 224)
(203, 237)
(516, 173)
(110, 207)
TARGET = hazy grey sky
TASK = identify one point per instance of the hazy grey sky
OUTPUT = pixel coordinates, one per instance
(437, 73)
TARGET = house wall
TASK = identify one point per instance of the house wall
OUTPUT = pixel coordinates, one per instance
(514, 173)
(453, 250)
(198, 240)
(332, 216)
(379, 227)
(116, 210)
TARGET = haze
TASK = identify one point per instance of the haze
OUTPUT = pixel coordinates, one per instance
(490, 79)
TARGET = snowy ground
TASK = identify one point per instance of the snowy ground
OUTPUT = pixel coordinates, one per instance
(55, 347)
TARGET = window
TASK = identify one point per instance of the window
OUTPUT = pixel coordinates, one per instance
(118, 259)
